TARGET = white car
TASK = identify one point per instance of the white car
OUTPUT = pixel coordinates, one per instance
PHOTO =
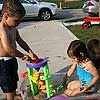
(34, 8)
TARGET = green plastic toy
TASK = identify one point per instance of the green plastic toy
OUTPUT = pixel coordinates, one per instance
(31, 69)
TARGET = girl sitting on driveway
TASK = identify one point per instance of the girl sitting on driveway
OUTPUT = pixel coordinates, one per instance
(86, 71)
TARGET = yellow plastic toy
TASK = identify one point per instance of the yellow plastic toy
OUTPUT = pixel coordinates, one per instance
(36, 77)
(40, 83)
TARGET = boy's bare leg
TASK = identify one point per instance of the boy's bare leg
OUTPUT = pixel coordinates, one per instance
(9, 96)
(17, 97)
(13, 96)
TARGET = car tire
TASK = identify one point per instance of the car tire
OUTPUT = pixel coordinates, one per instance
(45, 14)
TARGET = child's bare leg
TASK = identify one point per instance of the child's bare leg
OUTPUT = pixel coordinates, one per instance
(9, 96)
(16, 96)
(76, 92)
(73, 85)
(13, 96)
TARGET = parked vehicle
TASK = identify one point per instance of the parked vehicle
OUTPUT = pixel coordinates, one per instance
(35, 8)
(91, 7)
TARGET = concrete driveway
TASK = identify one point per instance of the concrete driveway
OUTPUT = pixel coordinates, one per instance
(48, 39)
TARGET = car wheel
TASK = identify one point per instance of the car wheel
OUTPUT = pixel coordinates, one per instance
(45, 14)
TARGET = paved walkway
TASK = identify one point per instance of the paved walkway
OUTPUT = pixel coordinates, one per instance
(48, 40)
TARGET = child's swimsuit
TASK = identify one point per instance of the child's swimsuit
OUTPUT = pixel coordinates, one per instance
(85, 77)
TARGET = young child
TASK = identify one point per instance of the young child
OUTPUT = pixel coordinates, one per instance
(12, 14)
(93, 46)
(86, 71)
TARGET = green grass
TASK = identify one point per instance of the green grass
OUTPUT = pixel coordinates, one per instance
(68, 4)
(85, 34)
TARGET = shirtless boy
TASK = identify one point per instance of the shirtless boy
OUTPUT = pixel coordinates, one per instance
(12, 14)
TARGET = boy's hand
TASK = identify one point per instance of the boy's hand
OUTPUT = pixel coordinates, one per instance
(33, 55)
(36, 61)
(27, 58)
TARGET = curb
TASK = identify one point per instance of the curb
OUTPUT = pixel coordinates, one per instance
(73, 23)
(78, 23)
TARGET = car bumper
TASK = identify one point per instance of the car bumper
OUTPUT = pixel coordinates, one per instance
(90, 10)
(55, 11)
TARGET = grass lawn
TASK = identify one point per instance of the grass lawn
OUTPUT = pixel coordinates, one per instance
(68, 4)
(85, 34)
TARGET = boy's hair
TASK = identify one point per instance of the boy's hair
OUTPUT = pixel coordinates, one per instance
(78, 49)
(93, 46)
(13, 8)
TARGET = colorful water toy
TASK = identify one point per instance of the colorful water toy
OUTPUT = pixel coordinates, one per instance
(45, 81)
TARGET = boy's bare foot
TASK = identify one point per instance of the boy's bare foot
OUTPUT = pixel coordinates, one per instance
(18, 97)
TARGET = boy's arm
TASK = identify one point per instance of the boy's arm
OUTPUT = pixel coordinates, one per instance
(24, 45)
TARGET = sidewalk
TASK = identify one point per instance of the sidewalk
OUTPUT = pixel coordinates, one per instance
(48, 40)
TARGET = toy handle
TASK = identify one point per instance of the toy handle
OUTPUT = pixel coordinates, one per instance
(23, 75)
(35, 61)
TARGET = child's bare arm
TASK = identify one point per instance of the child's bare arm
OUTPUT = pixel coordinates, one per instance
(72, 69)
(69, 73)
(24, 45)
(92, 69)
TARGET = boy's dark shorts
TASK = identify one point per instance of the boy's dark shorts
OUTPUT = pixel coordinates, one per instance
(8, 75)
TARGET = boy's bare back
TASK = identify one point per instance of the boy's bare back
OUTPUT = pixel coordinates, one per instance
(7, 39)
